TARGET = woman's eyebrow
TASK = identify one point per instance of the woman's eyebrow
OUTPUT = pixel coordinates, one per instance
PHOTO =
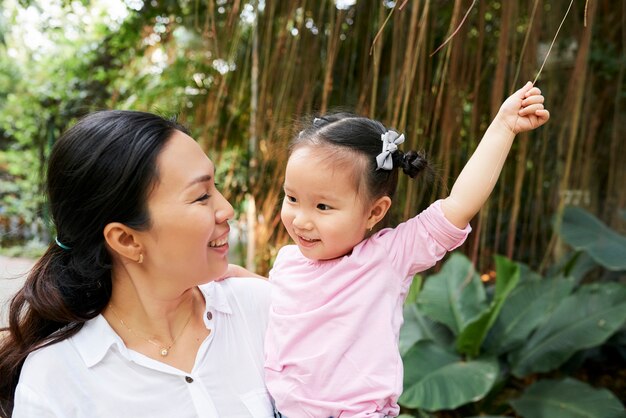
(201, 179)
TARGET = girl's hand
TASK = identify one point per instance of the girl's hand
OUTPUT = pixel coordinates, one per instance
(524, 110)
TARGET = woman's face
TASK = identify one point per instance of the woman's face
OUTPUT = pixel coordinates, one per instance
(187, 243)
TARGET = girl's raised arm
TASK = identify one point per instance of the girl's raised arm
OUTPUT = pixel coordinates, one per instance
(523, 111)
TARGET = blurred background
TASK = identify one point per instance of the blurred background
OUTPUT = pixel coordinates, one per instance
(242, 74)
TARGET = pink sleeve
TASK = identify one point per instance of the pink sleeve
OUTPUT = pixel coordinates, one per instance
(417, 244)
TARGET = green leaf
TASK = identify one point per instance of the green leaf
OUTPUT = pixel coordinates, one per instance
(583, 320)
(527, 274)
(568, 398)
(414, 290)
(455, 295)
(528, 306)
(473, 334)
(585, 232)
(436, 379)
(420, 414)
(417, 327)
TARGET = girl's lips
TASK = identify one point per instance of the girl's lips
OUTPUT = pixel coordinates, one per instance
(303, 242)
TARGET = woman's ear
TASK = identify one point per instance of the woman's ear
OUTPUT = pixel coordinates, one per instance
(123, 241)
(378, 210)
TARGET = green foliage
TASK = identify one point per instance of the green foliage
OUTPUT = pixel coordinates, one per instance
(582, 320)
(567, 398)
(437, 379)
(455, 295)
(525, 309)
(585, 232)
(473, 335)
(460, 347)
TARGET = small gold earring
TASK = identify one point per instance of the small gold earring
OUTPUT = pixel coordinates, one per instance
(140, 260)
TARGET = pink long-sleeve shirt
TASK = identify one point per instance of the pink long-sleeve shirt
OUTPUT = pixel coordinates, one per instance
(332, 340)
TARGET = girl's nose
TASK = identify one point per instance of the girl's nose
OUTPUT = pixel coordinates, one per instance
(302, 222)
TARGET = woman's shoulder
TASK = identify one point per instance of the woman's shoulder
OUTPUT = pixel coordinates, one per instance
(49, 364)
(249, 294)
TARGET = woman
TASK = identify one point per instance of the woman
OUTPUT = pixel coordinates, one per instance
(121, 317)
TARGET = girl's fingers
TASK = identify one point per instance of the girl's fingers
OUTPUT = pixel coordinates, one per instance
(532, 91)
(533, 100)
(543, 114)
(522, 92)
(529, 110)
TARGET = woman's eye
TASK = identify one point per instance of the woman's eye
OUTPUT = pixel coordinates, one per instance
(323, 206)
(202, 198)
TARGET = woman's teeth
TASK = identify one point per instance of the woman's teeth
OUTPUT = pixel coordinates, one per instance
(219, 242)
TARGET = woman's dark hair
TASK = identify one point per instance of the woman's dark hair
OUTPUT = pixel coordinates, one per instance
(100, 171)
(361, 136)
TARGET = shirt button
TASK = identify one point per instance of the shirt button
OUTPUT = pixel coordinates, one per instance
(188, 379)
(209, 315)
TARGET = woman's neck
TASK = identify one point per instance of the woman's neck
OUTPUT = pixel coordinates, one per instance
(142, 305)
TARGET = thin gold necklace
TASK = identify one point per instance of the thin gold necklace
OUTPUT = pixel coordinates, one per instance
(163, 350)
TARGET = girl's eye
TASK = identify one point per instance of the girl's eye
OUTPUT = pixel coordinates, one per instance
(202, 198)
(323, 206)
(291, 198)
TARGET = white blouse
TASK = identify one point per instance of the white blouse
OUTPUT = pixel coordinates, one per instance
(93, 374)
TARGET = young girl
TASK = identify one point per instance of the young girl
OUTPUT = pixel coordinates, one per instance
(336, 311)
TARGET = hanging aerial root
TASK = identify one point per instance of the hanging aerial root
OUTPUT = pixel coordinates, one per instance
(553, 41)
(456, 30)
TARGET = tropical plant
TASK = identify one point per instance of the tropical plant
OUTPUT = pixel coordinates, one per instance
(471, 347)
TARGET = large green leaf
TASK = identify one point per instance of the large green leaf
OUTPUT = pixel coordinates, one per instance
(473, 334)
(455, 295)
(527, 274)
(418, 327)
(567, 398)
(528, 306)
(436, 379)
(585, 232)
(582, 320)
(575, 265)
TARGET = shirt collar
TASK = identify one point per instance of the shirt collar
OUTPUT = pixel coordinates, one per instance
(96, 337)
(216, 297)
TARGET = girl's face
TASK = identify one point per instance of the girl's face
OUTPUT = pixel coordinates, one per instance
(187, 242)
(322, 211)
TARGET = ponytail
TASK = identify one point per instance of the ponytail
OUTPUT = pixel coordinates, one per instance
(412, 163)
(43, 312)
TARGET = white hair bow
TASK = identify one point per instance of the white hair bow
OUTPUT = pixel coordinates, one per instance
(391, 140)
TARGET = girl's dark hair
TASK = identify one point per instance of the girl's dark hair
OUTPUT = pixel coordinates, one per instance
(100, 171)
(361, 136)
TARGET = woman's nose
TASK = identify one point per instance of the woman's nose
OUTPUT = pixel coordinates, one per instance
(224, 210)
